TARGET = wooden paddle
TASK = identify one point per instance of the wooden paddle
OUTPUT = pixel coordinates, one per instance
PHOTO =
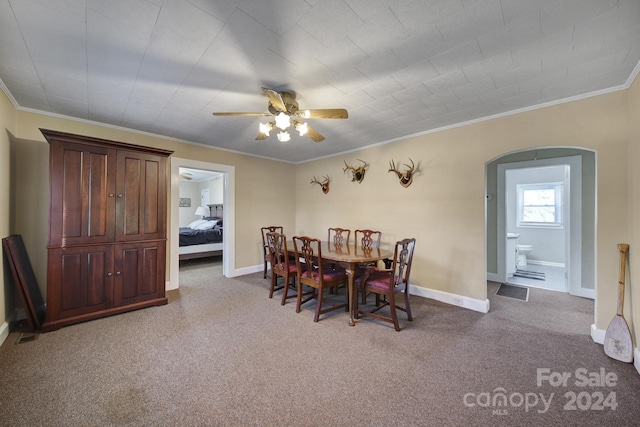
(617, 339)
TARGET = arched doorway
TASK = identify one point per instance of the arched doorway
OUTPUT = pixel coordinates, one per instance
(580, 236)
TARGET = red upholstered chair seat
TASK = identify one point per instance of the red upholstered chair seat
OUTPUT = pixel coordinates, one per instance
(377, 279)
(328, 275)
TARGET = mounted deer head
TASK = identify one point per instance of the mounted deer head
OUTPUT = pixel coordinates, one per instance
(357, 174)
(406, 177)
(324, 184)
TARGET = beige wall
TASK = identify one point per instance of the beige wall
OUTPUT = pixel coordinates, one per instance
(189, 190)
(7, 128)
(632, 294)
(444, 208)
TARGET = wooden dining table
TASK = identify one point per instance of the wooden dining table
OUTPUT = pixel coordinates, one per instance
(349, 257)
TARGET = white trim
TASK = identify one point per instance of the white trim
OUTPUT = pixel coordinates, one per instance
(249, 270)
(479, 305)
(636, 359)
(5, 327)
(597, 335)
(547, 263)
(493, 277)
(229, 244)
(4, 332)
(204, 247)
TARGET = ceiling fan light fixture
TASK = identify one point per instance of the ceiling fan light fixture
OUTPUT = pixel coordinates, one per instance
(302, 128)
(284, 136)
(305, 114)
(265, 128)
(283, 121)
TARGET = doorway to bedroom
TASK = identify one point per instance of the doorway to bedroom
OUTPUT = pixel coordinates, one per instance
(201, 209)
(201, 196)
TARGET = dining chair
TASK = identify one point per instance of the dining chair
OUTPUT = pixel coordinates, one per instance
(367, 240)
(312, 272)
(387, 283)
(265, 246)
(281, 266)
(338, 236)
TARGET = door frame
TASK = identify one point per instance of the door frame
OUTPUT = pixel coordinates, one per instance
(228, 216)
(574, 239)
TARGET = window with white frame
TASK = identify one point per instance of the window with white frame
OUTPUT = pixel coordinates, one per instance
(540, 205)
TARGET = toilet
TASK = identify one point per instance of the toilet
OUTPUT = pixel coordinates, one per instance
(523, 250)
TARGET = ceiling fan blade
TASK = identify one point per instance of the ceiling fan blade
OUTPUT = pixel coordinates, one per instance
(242, 114)
(314, 134)
(328, 113)
(275, 99)
(261, 136)
(187, 177)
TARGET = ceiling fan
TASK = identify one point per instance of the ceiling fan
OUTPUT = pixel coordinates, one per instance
(284, 107)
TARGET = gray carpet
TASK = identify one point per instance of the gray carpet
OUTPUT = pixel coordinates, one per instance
(222, 353)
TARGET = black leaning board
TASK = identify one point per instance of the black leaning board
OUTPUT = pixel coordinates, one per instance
(18, 261)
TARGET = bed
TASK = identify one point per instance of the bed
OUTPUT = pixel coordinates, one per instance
(202, 238)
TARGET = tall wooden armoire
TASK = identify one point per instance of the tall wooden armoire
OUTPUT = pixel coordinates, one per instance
(107, 228)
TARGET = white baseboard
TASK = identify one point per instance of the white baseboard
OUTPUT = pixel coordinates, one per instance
(547, 263)
(461, 301)
(247, 270)
(5, 327)
(493, 277)
(4, 332)
(598, 337)
(465, 302)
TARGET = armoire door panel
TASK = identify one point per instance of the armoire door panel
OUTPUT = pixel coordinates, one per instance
(140, 272)
(79, 280)
(72, 223)
(100, 203)
(141, 189)
(82, 194)
(150, 271)
(72, 295)
(128, 273)
(151, 197)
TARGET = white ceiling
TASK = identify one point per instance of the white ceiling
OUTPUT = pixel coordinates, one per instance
(400, 67)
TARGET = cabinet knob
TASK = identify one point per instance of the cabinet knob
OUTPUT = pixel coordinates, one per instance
(111, 194)
(120, 196)
(109, 274)
(117, 273)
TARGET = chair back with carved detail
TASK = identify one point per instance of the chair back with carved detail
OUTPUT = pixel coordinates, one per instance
(281, 265)
(265, 247)
(338, 236)
(368, 239)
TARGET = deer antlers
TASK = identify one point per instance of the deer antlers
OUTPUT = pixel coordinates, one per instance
(406, 177)
(357, 174)
(324, 184)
